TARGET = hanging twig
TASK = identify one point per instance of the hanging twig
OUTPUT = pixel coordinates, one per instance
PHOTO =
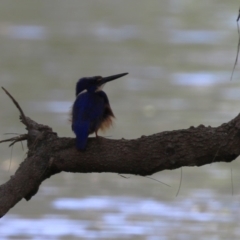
(232, 180)
(15, 139)
(236, 60)
(179, 183)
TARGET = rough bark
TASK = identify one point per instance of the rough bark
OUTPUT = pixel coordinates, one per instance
(48, 154)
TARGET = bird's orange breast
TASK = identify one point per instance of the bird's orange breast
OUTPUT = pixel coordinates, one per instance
(107, 123)
(107, 120)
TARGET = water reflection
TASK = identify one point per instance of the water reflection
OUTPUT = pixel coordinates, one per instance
(121, 217)
(149, 207)
(27, 32)
(51, 106)
(107, 33)
(198, 79)
(197, 36)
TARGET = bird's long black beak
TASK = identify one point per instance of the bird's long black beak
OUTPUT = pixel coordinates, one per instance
(111, 78)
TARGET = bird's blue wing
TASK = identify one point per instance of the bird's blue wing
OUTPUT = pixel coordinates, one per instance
(86, 116)
(81, 129)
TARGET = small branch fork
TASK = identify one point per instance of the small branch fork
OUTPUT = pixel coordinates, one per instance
(24, 120)
(19, 138)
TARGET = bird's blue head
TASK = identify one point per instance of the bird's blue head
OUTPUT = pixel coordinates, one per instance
(93, 84)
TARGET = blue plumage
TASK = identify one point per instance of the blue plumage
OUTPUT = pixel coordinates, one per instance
(91, 110)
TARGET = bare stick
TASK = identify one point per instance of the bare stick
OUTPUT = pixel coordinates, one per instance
(10, 159)
(157, 181)
(179, 184)
(15, 139)
(18, 107)
(232, 181)
(238, 15)
(236, 60)
(123, 176)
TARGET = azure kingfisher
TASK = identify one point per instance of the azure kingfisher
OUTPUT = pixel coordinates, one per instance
(91, 110)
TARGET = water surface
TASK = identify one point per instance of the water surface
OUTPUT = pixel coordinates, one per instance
(179, 55)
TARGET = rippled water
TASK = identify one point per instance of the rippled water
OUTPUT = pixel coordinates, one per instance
(127, 217)
(179, 55)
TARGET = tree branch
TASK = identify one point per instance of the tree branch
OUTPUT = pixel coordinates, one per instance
(48, 155)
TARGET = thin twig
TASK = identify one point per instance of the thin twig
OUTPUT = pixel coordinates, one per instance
(146, 177)
(232, 181)
(123, 176)
(157, 181)
(238, 47)
(10, 159)
(22, 145)
(18, 134)
(179, 184)
(216, 153)
(15, 139)
(19, 108)
(12, 134)
(238, 15)
(8, 140)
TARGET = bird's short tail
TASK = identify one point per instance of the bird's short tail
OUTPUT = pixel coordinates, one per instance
(81, 130)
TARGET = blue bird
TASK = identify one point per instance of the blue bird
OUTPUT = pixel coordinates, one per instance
(91, 110)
